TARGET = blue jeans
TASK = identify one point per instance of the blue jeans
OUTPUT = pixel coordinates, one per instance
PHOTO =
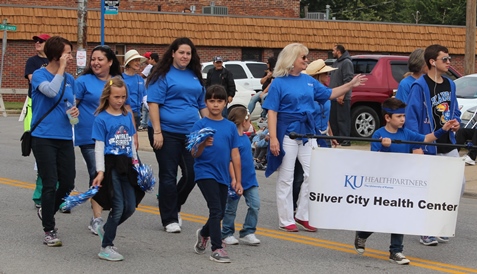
(88, 155)
(250, 225)
(215, 195)
(145, 116)
(172, 155)
(56, 163)
(396, 241)
(253, 101)
(123, 205)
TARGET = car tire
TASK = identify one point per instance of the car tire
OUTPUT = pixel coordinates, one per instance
(364, 122)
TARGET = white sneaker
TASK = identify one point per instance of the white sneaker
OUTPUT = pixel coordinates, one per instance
(172, 228)
(179, 219)
(469, 161)
(250, 239)
(95, 224)
(230, 240)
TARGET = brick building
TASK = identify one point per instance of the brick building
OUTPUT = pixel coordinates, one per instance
(243, 34)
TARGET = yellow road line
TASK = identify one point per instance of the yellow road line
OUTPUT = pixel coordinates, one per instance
(294, 237)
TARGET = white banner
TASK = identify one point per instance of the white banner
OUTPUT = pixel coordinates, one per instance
(384, 192)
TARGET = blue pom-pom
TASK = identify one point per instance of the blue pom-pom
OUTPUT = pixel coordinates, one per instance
(197, 137)
(75, 200)
(145, 177)
(232, 194)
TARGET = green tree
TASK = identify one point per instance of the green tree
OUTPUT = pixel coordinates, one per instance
(448, 12)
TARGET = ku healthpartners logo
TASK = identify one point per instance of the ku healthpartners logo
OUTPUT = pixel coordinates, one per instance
(358, 181)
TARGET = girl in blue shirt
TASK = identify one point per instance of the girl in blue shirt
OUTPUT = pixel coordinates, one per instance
(214, 158)
(115, 153)
(52, 142)
(241, 118)
(103, 65)
(175, 96)
(290, 106)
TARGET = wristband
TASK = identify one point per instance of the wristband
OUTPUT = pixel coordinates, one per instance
(439, 133)
(160, 132)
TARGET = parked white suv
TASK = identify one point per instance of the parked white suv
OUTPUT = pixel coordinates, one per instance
(246, 73)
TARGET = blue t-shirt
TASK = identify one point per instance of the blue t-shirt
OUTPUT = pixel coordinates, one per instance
(249, 177)
(116, 131)
(402, 134)
(88, 89)
(56, 124)
(214, 161)
(404, 88)
(322, 115)
(296, 95)
(136, 90)
(180, 97)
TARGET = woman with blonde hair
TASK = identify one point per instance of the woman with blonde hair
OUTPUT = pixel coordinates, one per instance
(290, 106)
(417, 67)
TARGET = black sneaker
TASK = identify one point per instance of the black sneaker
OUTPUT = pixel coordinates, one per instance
(359, 244)
(398, 258)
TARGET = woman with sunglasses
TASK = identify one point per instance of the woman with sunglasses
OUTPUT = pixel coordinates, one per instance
(103, 65)
(175, 95)
(290, 105)
(52, 137)
(33, 63)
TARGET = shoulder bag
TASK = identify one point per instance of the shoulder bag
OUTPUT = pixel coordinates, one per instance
(26, 137)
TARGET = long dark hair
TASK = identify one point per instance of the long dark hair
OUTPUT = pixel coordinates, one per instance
(162, 68)
(115, 68)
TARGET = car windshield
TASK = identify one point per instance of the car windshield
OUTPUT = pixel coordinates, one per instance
(466, 87)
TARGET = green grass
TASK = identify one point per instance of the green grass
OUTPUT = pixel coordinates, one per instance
(14, 105)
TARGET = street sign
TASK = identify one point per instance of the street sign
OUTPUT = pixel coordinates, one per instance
(111, 7)
(8, 27)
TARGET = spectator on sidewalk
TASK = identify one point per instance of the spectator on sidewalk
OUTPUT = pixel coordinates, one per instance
(221, 76)
(340, 116)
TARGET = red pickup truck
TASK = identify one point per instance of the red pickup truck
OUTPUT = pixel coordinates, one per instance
(384, 72)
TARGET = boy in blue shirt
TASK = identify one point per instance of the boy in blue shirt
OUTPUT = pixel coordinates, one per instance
(393, 111)
(215, 157)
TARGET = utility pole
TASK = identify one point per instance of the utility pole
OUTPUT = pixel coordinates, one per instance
(82, 36)
(469, 59)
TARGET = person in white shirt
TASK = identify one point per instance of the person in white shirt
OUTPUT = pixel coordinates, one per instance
(152, 59)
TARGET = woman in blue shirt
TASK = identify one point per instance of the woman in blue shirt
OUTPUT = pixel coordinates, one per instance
(52, 139)
(103, 65)
(135, 83)
(290, 105)
(175, 95)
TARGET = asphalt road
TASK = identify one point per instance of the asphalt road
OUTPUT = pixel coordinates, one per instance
(148, 249)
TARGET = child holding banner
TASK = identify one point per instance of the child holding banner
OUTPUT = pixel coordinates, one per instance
(393, 111)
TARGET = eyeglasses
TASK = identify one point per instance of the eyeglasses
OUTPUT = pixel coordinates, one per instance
(445, 59)
(40, 41)
(304, 57)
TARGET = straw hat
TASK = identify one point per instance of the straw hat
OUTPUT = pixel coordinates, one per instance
(318, 67)
(131, 55)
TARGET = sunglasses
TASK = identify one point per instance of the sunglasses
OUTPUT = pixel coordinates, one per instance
(445, 59)
(304, 57)
(40, 41)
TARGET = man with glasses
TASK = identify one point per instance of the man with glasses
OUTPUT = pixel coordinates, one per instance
(221, 76)
(340, 113)
(33, 63)
(431, 103)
